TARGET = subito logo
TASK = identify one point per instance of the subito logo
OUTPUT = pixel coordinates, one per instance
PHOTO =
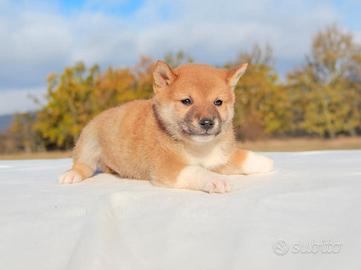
(280, 248)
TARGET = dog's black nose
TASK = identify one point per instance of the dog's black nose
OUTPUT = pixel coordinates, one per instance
(206, 123)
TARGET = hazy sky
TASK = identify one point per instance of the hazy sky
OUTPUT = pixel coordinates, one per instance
(39, 37)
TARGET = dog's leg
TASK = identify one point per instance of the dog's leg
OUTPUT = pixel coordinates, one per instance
(246, 162)
(198, 178)
(85, 159)
(174, 173)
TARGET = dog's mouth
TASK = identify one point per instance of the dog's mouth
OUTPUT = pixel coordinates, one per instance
(203, 134)
(200, 135)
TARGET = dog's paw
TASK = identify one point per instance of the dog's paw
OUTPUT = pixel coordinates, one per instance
(217, 185)
(70, 177)
(255, 163)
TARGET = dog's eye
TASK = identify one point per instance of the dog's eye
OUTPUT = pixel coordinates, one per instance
(187, 101)
(218, 102)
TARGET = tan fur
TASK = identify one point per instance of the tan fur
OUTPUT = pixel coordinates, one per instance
(234, 162)
(162, 140)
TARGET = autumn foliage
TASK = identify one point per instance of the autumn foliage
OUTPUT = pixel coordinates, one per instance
(320, 98)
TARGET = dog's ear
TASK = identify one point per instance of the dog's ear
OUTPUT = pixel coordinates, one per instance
(234, 74)
(163, 75)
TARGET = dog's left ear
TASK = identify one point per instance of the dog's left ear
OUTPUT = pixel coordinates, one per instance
(163, 75)
(234, 74)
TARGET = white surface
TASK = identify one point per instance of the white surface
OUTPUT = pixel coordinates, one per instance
(108, 223)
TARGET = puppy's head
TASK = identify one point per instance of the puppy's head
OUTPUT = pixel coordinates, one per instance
(195, 102)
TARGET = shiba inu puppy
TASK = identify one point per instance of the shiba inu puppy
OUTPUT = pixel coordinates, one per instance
(181, 138)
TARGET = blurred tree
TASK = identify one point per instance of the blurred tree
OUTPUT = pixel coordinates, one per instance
(144, 78)
(262, 106)
(68, 105)
(21, 135)
(326, 92)
(79, 94)
(178, 58)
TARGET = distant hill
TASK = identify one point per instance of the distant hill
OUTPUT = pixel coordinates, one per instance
(5, 121)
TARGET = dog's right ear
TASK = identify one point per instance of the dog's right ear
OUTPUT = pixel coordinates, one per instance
(163, 75)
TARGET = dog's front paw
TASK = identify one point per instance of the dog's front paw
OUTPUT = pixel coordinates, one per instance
(70, 177)
(217, 185)
(255, 163)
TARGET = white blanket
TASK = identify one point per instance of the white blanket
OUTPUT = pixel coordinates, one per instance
(306, 215)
